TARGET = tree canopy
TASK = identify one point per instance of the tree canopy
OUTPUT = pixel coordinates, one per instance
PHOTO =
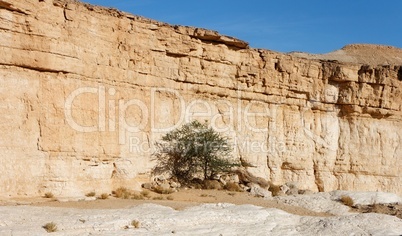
(193, 150)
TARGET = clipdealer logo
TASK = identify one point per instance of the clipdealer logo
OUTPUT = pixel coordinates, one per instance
(111, 119)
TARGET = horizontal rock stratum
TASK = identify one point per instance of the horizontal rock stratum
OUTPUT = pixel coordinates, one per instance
(86, 92)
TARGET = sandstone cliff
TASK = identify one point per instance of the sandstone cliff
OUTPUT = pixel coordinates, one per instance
(86, 91)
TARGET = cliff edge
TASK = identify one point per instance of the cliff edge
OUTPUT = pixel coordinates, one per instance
(360, 54)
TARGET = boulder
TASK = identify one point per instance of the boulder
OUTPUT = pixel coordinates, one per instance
(246, 177)
(146, 185)
(258, 191)
(174, 184)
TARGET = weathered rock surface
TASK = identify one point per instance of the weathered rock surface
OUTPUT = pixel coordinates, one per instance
(86, 91)
(330, 201)
(257, 191)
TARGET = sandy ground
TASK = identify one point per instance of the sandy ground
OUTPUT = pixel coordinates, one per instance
(201, 212)
(181, 200)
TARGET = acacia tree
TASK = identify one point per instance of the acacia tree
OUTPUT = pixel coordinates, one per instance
(192, 150)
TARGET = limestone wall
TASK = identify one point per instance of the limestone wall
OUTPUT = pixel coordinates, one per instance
(85, 92)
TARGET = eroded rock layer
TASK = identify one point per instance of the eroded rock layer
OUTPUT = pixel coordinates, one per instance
(87, 91)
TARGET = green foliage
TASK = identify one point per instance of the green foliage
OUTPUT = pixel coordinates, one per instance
(194, 149)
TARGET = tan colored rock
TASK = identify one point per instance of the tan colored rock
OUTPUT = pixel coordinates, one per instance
(85, 92)
(257, 191)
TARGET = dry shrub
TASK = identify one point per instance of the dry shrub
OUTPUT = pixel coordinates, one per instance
(207, 195)
(137, 197)
(157, 198)
(233, 187)
(91, 194)
(348, 201)
(104, 196)
(160, 190)
(49, 195)
(196, 186)
(393, 209)
(170, 198)
(136, 224)
(145, 193)
(122, 193)
(50, 227)
(212, 184)
(377, 208)
(275, 190)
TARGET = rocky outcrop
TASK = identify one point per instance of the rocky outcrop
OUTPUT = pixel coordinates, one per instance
(86, 91)
(360, 54)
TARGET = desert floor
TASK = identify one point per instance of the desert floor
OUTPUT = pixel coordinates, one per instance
(202, 212)
(183, 199)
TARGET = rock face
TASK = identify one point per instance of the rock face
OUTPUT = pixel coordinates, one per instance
(87, 91)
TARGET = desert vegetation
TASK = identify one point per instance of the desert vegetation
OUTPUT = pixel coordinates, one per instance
(135, 223)
(90, 194)
(197, 157)
(103, 196)
(161, 190)
(193, 150)
(233, 187)
(348, 201)
(122, 192)
(50, 227)
(49, 195)
(137, 197)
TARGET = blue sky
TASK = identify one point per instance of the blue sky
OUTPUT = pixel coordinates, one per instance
(315, 26)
